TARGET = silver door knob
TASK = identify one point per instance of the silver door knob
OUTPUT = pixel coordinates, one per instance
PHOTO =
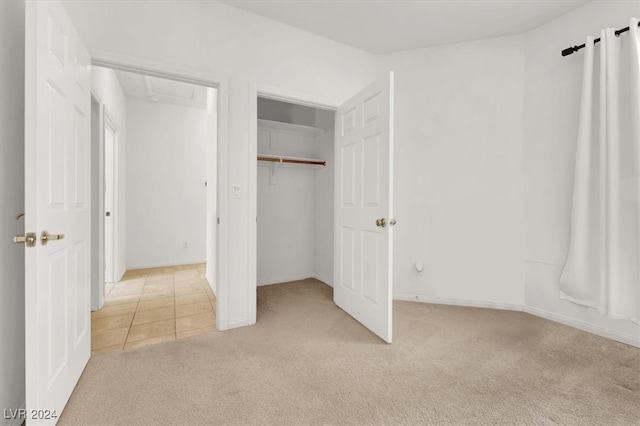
(381, 222)
(46, 237)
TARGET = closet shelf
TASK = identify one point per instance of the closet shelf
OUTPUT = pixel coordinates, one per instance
(289, 127)
(282, 160)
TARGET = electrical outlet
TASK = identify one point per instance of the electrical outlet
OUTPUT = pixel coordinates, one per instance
(185, 245)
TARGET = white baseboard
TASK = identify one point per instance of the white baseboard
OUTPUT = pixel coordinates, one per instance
(286, 279)
(166, 264)
(456, 302)
(239, 323)
(559, 318)
(322, 280)
(582, 325)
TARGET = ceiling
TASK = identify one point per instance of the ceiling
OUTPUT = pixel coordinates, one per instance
(385, 26)
(160, 90)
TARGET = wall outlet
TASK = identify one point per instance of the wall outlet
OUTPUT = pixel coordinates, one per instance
(185, 244)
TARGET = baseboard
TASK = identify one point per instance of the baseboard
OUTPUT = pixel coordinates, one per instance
(167, 264)
(239, 323)
(322, 280)
(551, 316)
(286, 279)
(456, 302)
(582, 325)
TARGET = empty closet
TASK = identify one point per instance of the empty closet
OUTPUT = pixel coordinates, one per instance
(294, 193)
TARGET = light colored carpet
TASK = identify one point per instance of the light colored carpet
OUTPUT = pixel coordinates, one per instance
(307, 362)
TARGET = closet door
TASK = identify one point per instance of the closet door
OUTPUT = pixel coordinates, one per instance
(364, 207)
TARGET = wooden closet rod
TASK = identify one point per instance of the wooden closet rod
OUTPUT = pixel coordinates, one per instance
(292, 160)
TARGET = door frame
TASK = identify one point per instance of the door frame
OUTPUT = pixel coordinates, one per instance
(276, 94)
(108, 121)
(98, 177)
(97, 197)
(189, 75)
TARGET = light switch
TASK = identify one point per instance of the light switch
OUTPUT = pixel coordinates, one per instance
(236, 192)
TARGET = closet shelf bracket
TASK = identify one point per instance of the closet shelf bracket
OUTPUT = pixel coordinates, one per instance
(273, 170)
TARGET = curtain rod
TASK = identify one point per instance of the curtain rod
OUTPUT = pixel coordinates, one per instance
(570, 50)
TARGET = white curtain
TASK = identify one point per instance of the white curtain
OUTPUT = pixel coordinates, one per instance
(602, 270)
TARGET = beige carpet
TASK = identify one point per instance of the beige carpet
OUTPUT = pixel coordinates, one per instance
(307, 362)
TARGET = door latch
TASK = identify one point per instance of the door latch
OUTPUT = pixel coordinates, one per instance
(46, 237)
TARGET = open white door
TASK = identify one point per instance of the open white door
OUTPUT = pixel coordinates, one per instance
(364, 207)
(57, 186)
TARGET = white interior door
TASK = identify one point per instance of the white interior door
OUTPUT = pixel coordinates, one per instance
(109, 201)
(57, 186)
(364, 207)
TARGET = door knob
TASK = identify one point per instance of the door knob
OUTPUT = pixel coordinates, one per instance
(392, 222)
(29, 239)
(46, 237)
(381, 222)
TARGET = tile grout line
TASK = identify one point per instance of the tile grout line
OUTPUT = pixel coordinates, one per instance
(146, 277)
(135, 312)
(130, 324)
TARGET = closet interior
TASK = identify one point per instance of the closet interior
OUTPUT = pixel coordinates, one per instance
(294, 192)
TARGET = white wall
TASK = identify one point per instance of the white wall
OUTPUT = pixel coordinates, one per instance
(324, 189)
(285, 208)
(553, 85)
(12, 355)
(458, 172)
(166, 192)
(105, 85)
(249, 50)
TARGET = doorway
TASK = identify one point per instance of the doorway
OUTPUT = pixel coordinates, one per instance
(109, 197)
(295, 194)
(362, 202)
(159, 251)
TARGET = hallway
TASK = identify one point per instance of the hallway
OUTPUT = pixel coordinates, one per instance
(154, 305)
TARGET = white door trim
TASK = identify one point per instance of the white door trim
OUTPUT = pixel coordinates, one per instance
(97, 171)
(115, 208)
(190, 75)
(294, 97)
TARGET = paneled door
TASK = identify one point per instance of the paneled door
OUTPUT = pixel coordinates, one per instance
(364, 207)
(57, 207)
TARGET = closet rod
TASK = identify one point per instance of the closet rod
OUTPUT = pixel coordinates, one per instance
(292, 160)
(570, 50)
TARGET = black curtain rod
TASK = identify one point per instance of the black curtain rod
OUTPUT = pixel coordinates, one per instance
(570, 50)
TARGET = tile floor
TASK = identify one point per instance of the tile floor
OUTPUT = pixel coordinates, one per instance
(153, 305)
